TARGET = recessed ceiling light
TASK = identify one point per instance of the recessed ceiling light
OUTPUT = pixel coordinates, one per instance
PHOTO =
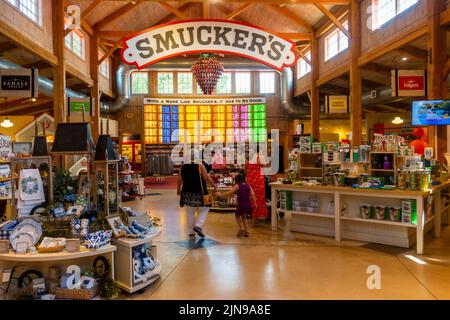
(404, 58)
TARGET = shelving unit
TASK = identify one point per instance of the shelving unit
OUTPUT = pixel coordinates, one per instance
(381, 172)
(126, 276)
(345, 222)
(307, 169)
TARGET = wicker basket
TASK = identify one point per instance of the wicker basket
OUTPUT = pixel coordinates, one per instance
(51, 250)
(76, 294)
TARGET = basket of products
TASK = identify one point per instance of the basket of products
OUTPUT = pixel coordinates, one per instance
(49, 245)
(76, 294)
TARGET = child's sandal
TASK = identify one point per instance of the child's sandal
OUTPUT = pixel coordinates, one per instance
(246, 234)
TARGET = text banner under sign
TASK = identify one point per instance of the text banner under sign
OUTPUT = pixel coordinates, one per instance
(169, 101)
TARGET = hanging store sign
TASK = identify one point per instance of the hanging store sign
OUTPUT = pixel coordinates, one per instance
(409, 83)
(19, 83)
(200, 36)
(203, 102)
(76, 105)
(337, 104)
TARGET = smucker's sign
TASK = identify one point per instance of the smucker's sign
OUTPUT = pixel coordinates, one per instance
(198, 36)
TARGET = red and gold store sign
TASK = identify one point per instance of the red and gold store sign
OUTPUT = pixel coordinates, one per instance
(409, 83)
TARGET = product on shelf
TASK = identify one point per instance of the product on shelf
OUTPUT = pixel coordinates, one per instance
(409, 211)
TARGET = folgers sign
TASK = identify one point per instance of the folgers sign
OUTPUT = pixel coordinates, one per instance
(409, 83)
(198, 36)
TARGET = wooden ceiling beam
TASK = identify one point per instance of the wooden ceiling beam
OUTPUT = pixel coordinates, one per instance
(205, 9)
(89, 9)
(116, 14)
(413, 52)
(238, 11)
(29, 45)
(84, 25)
(327, 25)
(330, 2)
(7, 46)
(293, 17)
(333, 19)
(110, 51)
(173, 10)
(303, 56)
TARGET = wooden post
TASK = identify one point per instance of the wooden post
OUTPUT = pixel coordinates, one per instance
(355, 73)
(315, 104)
(437, 45)
(95, 90)
(59, 72)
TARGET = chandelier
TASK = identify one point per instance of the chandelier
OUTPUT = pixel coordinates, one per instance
(207, 71)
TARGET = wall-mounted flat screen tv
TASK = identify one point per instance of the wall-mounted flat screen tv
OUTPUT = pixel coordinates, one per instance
(431, 113)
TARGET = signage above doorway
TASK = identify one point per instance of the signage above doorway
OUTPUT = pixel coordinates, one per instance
(199, 36)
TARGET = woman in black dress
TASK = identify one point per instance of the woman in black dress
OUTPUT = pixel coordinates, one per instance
(191, 187)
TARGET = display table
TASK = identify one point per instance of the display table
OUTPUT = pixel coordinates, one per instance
(215, 207)
(43, 261)
(339, 213)
(127, 278)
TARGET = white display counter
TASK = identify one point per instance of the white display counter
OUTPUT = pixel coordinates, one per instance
(339, 215)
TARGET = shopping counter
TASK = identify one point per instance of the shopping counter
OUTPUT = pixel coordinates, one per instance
(337, 213)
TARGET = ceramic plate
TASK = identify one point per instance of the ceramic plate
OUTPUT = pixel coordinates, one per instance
(28, 226)
(21, 238)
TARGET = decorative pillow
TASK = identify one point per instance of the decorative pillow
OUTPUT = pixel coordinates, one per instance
(79, 227)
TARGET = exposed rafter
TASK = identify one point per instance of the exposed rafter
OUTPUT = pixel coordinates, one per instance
(205, 9)
(238, 11)
(110, 52)
(84, 25)
(303, 56)
(90, 8)
(332, 18)
(116, 14)
(289, 14)
(173, 10)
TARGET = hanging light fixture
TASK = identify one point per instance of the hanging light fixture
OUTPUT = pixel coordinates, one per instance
(6, 123)
(207, 71)
(397, 120)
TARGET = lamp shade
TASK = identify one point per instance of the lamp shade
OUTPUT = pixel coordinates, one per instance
(6, 123)
(40, 146)
(73, 138)
(105, 148)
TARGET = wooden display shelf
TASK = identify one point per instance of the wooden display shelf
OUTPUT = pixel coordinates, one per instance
(133, 242)
(309, 214)
(56, 256)
(386, 222)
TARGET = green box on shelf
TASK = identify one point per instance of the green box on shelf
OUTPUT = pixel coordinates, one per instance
(286, 200)
(409, 211)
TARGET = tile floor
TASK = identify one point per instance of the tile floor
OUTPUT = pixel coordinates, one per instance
(284, 265)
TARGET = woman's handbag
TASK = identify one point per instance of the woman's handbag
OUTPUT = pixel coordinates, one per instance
(207, 199)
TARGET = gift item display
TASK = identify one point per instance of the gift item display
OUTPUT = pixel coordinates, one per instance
(60, 215)
(384, 183)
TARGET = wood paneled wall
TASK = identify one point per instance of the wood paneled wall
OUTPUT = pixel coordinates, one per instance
(403, 23)
(41, 35)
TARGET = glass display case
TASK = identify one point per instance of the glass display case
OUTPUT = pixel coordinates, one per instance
(107, 186)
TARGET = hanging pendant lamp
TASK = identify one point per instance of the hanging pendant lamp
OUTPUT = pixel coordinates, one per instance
(207, 72)
(6, 123)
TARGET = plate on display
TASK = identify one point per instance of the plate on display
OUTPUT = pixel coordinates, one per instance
(28, 226)
(21, 242)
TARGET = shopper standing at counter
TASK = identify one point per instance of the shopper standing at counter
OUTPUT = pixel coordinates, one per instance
(191, 187)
